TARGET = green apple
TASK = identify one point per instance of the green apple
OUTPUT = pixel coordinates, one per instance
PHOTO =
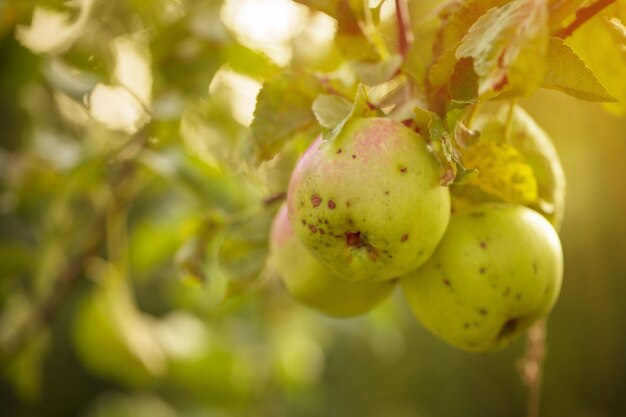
(369, 203)
(310, 282)
(497, 270)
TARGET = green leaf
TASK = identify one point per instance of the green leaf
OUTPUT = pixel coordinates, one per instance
(330, 110)
(374, 73)
(569, 74)
(283, 109)
(360, 108)
(458, 17)
(508, 45)
(463, 82)
(243, 251)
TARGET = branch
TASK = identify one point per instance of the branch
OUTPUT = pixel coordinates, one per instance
(405, 35)
(531, 365)
(583, 15)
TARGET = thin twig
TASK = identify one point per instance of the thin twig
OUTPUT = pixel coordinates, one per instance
(405, 35)
(531, 365)
(582, 15)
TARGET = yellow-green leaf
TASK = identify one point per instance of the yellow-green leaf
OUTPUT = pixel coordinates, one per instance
(508, 45)
(569, 74)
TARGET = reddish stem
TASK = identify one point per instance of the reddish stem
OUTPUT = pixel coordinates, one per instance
(405, 36)
(582, 15)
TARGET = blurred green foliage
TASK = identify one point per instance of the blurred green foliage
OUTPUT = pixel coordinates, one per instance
(133, 242)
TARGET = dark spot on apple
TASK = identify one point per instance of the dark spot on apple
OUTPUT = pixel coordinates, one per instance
(483, 244)
(316, 200)
(404, 238)
(482, 270)
(386, 192)
(322, 231)
(402, 169)
(353, 156)
(466, 325)
(506, 291)
(339, 151)
(446, 282)
(420, 253)
(507, 328)
(313, 228)
(347, 204)
(303, 222)
(477, 214)
(354, 239)
(331, 204)
(518, 296)
(350, 222)
(483, 311)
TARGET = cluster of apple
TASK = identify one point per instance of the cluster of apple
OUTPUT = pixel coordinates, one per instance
(366, 210)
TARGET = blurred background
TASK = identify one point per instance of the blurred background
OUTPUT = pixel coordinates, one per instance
(133, 234)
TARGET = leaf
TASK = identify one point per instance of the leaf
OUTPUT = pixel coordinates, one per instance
(618, 30)
(349, 38)
(330, 110)
(243, 251)
(283, 109)
(569, 74)
(374, 73)
(463, 82)
(458, 17)
(508, 45)
(596, 45)
(360, 108)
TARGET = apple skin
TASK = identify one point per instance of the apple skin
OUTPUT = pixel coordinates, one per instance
(497, 270)
(368, 203)
(308, 281)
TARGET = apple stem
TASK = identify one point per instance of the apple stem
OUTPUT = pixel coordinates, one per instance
(405, 35)
(530, 365)
(508, 127)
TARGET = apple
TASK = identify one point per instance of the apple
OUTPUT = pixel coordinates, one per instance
(497, 270)
(369, 203)
(314, 285)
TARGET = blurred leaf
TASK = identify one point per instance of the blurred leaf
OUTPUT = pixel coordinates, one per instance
(15, 259)
(207, 184)
(374, 73)
(243, 251)
(283, 110)
(567, 73)
(249, 62)
(51, 31)
(117, 404)
(108, 321)
(508, 46)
